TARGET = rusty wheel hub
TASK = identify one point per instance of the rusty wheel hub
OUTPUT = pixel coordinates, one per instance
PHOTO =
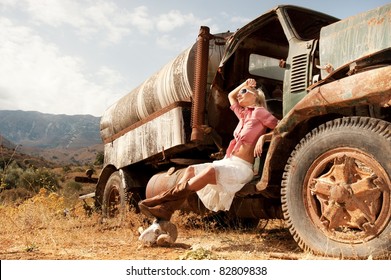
(114, 200)
(348, 195)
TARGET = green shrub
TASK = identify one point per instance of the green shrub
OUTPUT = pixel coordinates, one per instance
(100, 157)
(35, 179)
(32, 179)
(10, 176)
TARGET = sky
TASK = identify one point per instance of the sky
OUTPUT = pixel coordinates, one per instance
(80, 56)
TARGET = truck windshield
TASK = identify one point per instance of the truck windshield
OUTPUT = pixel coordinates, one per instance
(265, 66)
(307, 24)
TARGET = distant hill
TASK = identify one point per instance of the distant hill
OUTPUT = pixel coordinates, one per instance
(60, 139)
(39, 130)
(5, 143)
(9, 152)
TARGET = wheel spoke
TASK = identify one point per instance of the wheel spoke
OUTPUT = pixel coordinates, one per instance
(333, 216)
(321, 187)
(365, 198)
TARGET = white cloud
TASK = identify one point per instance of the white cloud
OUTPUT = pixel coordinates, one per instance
(36, 76)
(177, 31)
(168, 42)
(102, 20)
(240, 20)
(175, 19)
(45, 67)
(55, 12)
(142, 20)
(109, 77)
(4, 4)
(108, 17)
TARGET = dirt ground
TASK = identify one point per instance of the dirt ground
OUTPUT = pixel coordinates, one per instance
(48, 227)
(39, 229)
(52, 226)
(121, 243)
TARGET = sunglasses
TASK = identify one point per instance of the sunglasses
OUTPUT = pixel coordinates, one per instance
(244, 91)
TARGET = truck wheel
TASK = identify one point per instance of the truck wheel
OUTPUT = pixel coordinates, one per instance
(114, 196)
(336, 189)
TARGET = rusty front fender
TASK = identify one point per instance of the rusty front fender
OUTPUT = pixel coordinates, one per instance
(367, 88)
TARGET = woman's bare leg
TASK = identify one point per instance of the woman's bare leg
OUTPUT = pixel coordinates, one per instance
(206, 176)
(189, 173)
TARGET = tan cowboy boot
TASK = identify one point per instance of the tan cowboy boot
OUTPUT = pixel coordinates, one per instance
(163, 205)
(166, 195)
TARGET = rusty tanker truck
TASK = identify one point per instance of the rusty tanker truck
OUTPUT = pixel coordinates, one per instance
(327, 168)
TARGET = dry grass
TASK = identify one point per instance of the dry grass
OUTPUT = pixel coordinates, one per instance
(47, 226)
(39, 228)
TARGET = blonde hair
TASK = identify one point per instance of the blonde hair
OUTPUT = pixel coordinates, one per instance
(260, 98)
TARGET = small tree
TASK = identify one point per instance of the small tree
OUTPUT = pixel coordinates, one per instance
(99, 159)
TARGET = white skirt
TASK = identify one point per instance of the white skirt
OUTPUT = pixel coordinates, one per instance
(231, 175)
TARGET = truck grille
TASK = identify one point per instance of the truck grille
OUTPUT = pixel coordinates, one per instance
(299, 73)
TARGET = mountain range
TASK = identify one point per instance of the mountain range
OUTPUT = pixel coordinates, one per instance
(59, 138)
(35, 129)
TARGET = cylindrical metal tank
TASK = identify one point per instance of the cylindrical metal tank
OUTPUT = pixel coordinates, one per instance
(173, 83)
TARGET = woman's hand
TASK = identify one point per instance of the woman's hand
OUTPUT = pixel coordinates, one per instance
(261, 140)
(232, 96)
(251, 83)
(259, 146)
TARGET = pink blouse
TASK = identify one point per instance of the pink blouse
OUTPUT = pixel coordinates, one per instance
(253, 122)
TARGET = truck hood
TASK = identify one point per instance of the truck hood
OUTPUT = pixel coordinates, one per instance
(355, 37)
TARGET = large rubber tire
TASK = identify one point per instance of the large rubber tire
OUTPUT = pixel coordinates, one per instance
(336, 189)
(114, 196)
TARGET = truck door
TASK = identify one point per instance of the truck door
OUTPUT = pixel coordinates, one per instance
(302, 29)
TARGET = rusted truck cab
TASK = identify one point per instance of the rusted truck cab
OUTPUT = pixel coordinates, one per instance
(326, 170)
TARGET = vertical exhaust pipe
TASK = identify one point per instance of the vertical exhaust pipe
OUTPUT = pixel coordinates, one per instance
(200, 81)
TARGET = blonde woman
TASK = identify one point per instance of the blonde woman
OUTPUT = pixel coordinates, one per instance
(217, 182)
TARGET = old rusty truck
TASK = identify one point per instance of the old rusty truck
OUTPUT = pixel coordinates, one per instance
(327, 169)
